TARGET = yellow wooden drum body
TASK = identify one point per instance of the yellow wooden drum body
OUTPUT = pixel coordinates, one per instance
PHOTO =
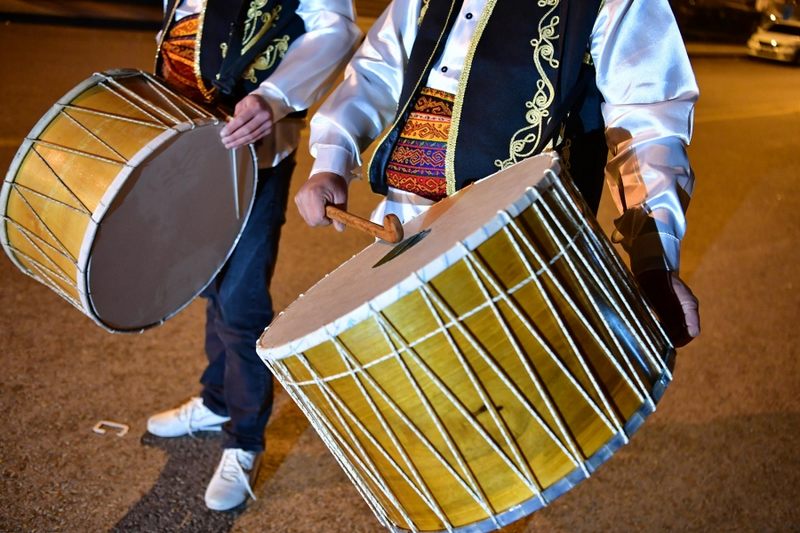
(487, 369)
(111, 199)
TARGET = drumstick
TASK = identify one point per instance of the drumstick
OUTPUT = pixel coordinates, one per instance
(391, 231)
(235, 176)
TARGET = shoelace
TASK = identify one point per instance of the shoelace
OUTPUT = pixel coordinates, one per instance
(231, 470)
(187, 413)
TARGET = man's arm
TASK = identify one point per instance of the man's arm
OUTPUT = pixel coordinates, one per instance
(649, 89)
(360, 108)
(305, 73)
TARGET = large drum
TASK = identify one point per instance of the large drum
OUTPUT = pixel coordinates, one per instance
(485, 370)
(123, 200)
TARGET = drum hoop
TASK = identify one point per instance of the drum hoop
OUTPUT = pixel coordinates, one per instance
(421, 276)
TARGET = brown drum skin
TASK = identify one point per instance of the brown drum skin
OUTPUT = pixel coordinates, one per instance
(475, 387)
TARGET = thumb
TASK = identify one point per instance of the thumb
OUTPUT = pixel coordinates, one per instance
(340, 201)
(689, 304)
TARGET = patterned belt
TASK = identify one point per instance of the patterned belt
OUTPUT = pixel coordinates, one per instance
(178, 60)
(417, 161)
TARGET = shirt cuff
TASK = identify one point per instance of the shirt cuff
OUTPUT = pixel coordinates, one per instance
(649, 243)
(332, 158)
(276, 100)
(655, 251)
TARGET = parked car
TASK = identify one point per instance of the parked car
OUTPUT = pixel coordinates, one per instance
(777, 40)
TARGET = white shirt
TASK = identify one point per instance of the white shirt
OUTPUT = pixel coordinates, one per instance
(643, 73)
(305, 73)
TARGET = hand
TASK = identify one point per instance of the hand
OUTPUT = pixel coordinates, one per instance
(320, 190)
(252, 120)
(673, 302)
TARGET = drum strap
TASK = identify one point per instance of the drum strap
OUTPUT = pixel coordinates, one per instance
(581, 137)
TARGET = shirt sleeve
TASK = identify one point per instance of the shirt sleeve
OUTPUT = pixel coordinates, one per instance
(314, 59)
(646, 80)
(363, 105)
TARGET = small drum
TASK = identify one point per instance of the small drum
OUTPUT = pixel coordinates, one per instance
(123, 200)
(485, 370)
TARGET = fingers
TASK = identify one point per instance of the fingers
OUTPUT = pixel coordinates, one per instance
(320, 190)
(340, 201)
(252, 120)
(673, 302)
(247, 133)
(689, 304)
(310, 201)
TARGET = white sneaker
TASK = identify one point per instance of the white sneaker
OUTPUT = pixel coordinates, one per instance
(230, 485)
(185, 420)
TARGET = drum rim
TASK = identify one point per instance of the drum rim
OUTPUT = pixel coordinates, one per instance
(422, 275)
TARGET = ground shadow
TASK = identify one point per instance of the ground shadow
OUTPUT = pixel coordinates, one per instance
(175, 503)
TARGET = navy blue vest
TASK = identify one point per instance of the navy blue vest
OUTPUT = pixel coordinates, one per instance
(524, 71)
(241, 41)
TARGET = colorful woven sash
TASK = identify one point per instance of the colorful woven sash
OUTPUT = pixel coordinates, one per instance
(178, 64)
(417, 161)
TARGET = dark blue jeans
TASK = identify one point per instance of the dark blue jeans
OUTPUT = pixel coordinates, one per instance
(236, 382)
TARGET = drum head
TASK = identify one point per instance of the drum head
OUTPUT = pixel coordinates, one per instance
(168, 229)
(328, 306)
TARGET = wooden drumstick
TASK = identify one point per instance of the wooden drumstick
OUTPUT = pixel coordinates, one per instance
(235, 177)
(391, 231)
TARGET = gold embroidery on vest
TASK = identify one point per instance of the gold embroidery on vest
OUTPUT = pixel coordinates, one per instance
(458, 105)
(525, 141)
(267, 59)
(223, 47)
(163, 34)
(422, 11)
(209, 93)
(252, 32)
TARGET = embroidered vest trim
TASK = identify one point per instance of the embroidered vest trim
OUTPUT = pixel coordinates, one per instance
(500, 56)
(239, 43)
